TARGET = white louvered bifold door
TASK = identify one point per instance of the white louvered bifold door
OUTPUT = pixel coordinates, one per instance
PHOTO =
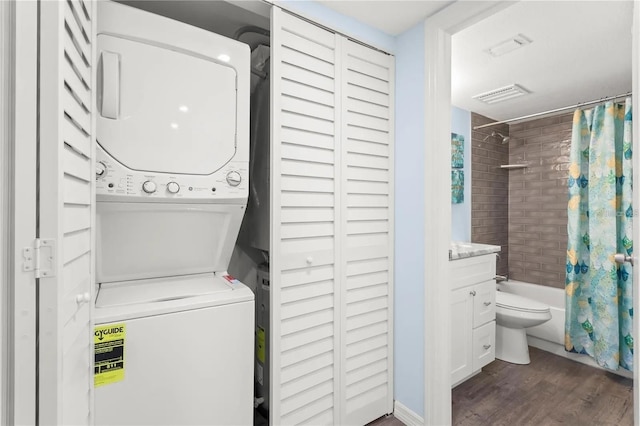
(304, 340)
(66, 210)
(331, 234)
(367, 241)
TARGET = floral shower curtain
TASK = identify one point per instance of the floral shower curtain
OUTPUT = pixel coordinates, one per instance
(599, 309)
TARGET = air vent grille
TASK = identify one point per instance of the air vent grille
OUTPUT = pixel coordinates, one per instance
(502, 94)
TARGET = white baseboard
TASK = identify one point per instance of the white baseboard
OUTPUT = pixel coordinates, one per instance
(405, 415)
(557, 349)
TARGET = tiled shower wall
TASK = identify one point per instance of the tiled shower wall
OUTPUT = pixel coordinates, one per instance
(490, 189)
(523, 210)
(538, 200)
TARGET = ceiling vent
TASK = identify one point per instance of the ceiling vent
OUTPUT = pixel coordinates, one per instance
(501, 94)
(515, 42)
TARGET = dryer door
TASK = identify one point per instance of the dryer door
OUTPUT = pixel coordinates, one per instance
(149, 240)
(163, 109)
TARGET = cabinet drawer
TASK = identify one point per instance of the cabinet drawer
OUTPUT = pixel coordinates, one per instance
(472, 270)
(484, 303)
(484, 345)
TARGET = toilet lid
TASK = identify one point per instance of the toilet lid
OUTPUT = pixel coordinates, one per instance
(519, 303)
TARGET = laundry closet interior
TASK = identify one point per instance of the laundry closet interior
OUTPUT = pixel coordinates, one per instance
(314, 242)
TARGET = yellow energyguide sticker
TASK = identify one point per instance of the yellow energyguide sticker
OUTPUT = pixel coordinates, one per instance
(108, 343)
(260, 347)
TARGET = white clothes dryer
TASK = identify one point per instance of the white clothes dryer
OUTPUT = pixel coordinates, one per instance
(174, 333)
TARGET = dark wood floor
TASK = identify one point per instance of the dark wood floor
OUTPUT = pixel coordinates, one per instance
(386, 421)
(552, 390)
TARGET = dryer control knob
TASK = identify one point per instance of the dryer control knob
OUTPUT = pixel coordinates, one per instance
(101, 169)
(149, 187)
(234, 178)
(173, 187)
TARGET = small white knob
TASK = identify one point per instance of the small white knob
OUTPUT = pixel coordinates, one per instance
(309, 260)
(487, 303)
(234, 178)
(149, 187)
(101, 169)
(486, 346)
(173, 187)
(83, 298)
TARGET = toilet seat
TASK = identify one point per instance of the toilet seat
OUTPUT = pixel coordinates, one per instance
(519, 303)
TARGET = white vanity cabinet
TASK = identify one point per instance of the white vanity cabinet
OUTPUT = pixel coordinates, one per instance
(473, 314)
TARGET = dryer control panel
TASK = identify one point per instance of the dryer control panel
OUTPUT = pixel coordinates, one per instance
(116, 182)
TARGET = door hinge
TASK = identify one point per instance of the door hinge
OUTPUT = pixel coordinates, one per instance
(40, 258)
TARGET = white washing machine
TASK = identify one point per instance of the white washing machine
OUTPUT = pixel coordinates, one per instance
(174, 332)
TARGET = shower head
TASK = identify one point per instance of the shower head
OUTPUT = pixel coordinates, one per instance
(505, 139)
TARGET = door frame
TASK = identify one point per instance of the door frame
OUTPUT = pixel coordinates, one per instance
(438, 31)
(18, 115)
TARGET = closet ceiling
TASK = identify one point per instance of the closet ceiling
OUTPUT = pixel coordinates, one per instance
(221, 17)
(580, 51)
(391, 16)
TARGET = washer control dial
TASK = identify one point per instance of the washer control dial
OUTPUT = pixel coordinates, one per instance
(149, 187)
(101, 169)
(234, 178)
(173, 187)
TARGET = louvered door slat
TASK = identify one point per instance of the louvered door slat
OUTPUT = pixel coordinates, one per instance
(308, 62)
(81, 13)
(76, 86)
(66, 211)
(76, 112)
(77, 35)
(367, 200)
(368, 108)
(365, 67)
(76, 138)
(305, 91)
(304, 245)
(75, 61)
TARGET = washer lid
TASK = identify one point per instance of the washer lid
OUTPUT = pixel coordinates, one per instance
(519, 303)
(160, 289)
(163, 109)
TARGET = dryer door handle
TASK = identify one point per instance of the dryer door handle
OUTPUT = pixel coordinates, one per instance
(110, 85)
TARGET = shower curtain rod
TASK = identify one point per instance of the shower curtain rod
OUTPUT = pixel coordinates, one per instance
(537, 114)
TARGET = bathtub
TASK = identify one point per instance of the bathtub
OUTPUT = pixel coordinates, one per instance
(550, 335)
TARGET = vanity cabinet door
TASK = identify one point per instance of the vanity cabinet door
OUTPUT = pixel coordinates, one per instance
(461, 334)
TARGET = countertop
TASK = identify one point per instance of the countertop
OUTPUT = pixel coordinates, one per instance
(459, 250)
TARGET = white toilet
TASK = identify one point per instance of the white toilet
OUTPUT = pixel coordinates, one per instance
(514, 314)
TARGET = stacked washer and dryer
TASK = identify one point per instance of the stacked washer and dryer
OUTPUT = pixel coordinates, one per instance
(172, 187)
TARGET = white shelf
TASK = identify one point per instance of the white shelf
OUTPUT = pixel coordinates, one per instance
(514, 166)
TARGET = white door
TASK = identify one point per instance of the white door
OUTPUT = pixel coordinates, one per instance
(366, 174)
(304, 265)
(66, 212)
(19, 128)
(332, 243)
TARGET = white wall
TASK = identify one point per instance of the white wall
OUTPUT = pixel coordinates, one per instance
(409, 211)
(461, 213)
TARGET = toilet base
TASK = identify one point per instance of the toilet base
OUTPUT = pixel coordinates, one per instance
(511, 345)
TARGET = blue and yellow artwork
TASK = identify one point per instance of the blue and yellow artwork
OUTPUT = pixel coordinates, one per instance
(457, 151)
(457, 186)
